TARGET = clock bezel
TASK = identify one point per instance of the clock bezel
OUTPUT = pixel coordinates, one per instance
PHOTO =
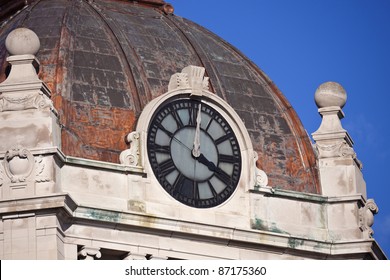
(193, 198)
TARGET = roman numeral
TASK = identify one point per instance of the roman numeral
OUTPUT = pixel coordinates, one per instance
(161, 149)
(178, 184)
(223, 138)
(167, 167)
(221, 175)
(212, 189)
(161, 127)
(228, 158)
(195, 190)
(193, 113)
(209, 124)
(176, 116)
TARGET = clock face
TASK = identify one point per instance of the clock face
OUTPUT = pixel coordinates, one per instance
(194, 153)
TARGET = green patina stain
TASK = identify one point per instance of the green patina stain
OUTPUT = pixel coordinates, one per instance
(294, 242)
(261, 225)
(103, 215)
(265, 226)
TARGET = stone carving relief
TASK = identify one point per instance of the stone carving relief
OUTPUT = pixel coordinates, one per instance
(191, 77)
(20, 170)
(18, 164)
(366, 217)
(40, 172)
(131, 156)
(340, 149)
(13, 102)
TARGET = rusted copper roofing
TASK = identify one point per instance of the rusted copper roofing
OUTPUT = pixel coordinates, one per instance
(104, 60)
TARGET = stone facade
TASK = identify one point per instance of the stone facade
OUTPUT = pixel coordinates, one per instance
(55, 206)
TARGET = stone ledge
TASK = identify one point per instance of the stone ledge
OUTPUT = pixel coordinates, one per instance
(32, 204)
(314, 198)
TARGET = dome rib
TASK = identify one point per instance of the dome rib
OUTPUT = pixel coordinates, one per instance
(131, 72)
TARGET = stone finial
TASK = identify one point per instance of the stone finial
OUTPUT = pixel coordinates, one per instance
(332, 140)
(23, 89)
(330, 94)
(22, 41)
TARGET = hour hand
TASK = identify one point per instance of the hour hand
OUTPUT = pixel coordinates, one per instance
(203, 160)
(196, 147)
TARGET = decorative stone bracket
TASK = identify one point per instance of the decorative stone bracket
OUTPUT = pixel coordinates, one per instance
(366, 217)
(89, 253)
(261, 178)
(132, 156)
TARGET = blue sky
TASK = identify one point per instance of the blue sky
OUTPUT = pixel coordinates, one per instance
(301, 44)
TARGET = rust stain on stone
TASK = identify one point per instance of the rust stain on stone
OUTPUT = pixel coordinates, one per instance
(94, 132)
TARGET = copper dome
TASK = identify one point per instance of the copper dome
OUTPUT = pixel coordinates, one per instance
(104, 60)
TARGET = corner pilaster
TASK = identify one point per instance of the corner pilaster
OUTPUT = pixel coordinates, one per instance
(29, 128)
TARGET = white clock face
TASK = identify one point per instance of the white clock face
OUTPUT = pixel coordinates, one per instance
(194, 153)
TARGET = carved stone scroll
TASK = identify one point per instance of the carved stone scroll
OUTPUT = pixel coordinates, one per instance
(261, 178)
(366, 217)
(131, 156)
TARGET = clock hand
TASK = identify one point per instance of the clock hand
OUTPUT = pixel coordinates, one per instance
(196, 147)
(210, 165)
(220, 174)
(181, 143)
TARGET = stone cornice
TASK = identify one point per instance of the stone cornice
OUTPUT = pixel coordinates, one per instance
(172, 228)
(277, 242)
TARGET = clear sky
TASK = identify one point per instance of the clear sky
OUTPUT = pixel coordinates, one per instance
(303, 43)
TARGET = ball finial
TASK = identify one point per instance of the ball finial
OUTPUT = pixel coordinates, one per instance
(22, 41)
(330, 94)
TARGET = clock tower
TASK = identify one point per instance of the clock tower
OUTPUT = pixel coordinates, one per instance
(216, 163)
